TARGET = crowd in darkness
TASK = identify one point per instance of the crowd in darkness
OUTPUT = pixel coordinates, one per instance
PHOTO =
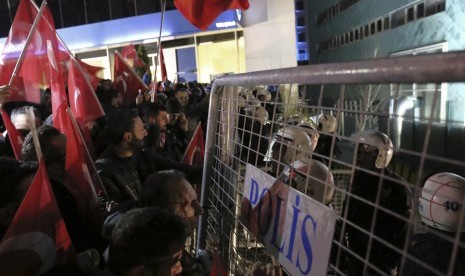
(138, 152)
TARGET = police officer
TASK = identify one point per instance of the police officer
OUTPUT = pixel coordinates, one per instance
(440, 208)
(374, 194)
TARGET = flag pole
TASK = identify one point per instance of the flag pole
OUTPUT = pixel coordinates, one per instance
(28, 41)
(88, 156)
(35, 137)
(163, 7)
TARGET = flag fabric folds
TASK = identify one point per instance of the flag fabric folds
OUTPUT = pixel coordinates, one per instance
(82, 98)
(126, 81)
(37, 238)
(15, 137)
(83, 101)
(130, 54)
(201, 13)
(78, 178)
(15, 42)
(195, 151)
(90, 72)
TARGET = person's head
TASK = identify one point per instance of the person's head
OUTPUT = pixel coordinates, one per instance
(19, 118)
(156, 114)
(125, 128)
(288, 145)
(147, 241)
(182, 95)
(374, 149)
(327, 123)
(52, 143)
(441, 202)
(312, 178)
(171, 191)
(263, 94)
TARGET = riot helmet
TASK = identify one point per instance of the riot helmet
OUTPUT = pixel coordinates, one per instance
(374, 148)
(312, 178)
(440, 205)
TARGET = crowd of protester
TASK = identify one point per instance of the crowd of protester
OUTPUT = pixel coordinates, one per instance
(138, 157)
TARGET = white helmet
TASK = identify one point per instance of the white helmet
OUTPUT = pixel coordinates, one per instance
(260, 114)
(289, 144)
(312, 178)
(265, 93)
(245, 95)
(312, 133)
(327, 123)
(441, 202)
(377, 140)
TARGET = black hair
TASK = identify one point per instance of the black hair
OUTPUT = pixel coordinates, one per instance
(142, 236)
(45, 133)
(119, 121)
(158, 188)
(152, 109)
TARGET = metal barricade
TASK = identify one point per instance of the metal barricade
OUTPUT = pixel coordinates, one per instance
(416, 101)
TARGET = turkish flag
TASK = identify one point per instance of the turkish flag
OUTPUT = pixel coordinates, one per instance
(82, 98)
(164, 75)
(15, 42)
(78, 178)
(83, 101)
(90, 72)
(126, 81)
(196, 149)
(41, 66)
(130, 54)
(201, 13)
(37, 238)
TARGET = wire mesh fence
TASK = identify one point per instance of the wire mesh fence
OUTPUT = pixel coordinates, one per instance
(387, 135)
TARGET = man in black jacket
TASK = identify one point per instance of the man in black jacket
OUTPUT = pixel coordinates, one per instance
(120, 166)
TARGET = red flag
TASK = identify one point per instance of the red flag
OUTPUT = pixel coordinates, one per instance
(201, 13)
(126, 81)
(82, 98)
(83, 101)
(218, 268)
(37, 238)
(130, 54)
(15, 137)
(195, 150)
(90, 72)
(41, 64)
(164, 76)
(78, 179)
(15, 42)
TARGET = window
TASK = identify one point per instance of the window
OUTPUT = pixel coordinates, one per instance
(386, 22)
(379, 25)
(372, 28)
(421, 10)
(424, 92)
(410, 14)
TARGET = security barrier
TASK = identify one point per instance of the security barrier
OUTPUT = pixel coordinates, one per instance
(386, 222)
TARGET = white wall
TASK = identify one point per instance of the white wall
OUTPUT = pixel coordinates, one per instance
(270, 42)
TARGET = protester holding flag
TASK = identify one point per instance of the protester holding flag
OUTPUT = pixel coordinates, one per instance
(16, 129)
(53, 144)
